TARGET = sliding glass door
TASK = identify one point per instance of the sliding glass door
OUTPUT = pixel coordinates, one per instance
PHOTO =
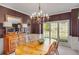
(54, 29)
(63, 30)
(46, 32)
(58, 30)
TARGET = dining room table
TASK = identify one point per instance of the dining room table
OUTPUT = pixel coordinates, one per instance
(33, 48)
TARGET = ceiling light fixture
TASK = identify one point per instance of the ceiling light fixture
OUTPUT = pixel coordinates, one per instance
(39, 16)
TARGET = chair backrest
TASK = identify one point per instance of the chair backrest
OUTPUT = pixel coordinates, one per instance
(53, 48)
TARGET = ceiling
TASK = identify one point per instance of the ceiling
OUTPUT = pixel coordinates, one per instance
(49, 8)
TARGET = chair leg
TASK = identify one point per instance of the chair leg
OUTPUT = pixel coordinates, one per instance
(57, 53)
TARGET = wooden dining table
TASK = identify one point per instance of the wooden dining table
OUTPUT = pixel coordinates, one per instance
(33, 48)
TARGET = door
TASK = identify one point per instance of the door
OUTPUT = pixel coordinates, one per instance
(58, 30)
(46, 31)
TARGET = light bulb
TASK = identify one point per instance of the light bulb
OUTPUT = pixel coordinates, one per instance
(41, 12)
(46, 15)
(31, 17)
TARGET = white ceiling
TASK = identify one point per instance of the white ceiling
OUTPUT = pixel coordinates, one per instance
(50, 8)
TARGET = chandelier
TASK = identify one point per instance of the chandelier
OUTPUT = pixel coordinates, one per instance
(39, 16)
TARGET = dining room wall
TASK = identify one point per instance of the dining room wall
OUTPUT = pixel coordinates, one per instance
(6, 11)
(74, 23)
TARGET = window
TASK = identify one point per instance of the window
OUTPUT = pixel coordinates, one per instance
(46, 30)
(63, 31)
(56, 30)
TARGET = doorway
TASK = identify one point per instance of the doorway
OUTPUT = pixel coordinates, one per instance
(57, 30)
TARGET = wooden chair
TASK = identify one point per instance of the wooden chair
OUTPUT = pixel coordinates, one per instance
(53, 49)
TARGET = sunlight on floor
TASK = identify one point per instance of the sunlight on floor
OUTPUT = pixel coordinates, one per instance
(66, 51)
